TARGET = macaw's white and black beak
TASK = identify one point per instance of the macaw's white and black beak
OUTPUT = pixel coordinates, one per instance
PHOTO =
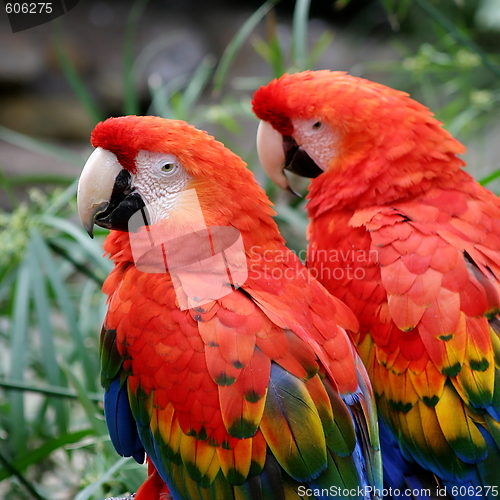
(106, 196)
(281, 152)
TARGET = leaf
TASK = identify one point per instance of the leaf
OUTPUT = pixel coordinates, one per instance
(48, 350)
(197, 84)
(32, 457)
(47, 389)
(237, 42)
(19, 341)
(89, 406)
(89, 491)
(41, 147)
(299, 28)
(67, 308)
(131, 100)
(272, 52)
(92, 247)
(458, 35)
(74, 80)
(318, 50)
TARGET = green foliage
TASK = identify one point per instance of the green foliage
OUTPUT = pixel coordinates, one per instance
(51, 306)
(449, 70)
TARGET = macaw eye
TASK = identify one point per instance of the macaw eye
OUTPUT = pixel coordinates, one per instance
(317, 125)
(168, 168)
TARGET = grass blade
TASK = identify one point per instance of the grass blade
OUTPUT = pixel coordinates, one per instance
(49, 390)
(272, 54)
(12, 471)
(237, 42)
(92, 247)
(37, 455)
(134, 476)
(39, 147)
(81, 267)
(67, 309)
(7, 282)
(7, 185)
(89, 491)
(19, 341)
(89, 406)
(277, 58)
(90, 409)
(450, 27)
(63, 199)
(300, 23)
(74, 80)
(197, 84)
(25, 179)
(490, 178)
(48, 348)
(160, 104)
(88, 309)
(271, 50)
(318, 50)
(131, 100)
(295, 218)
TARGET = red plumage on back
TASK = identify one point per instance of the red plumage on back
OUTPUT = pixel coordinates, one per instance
(411, 243)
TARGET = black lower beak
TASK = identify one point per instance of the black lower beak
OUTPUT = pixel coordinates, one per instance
(298, 161)
(124, 203)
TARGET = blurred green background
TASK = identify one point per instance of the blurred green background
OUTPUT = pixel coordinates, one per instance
(199, 61)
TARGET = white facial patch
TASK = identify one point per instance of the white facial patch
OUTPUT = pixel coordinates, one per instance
(204, 263)
(160, 180)
(317, 139)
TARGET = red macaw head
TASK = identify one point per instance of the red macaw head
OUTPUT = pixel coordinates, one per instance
(318, 121)
(147, 161)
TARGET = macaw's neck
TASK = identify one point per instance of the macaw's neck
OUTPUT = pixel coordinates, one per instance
(169, 243)
(253, 220)
(378, 179)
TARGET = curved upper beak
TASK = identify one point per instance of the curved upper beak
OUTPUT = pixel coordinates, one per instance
(96, 186)
(278, 153)
(105, 194)
(271, 153)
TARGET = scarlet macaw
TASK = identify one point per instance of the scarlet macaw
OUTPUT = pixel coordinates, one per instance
(222, 359)
(411, 243)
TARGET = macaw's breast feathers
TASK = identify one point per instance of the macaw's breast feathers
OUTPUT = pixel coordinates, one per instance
(258, 391)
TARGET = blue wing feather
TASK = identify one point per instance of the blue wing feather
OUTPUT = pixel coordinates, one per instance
(121, 423)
